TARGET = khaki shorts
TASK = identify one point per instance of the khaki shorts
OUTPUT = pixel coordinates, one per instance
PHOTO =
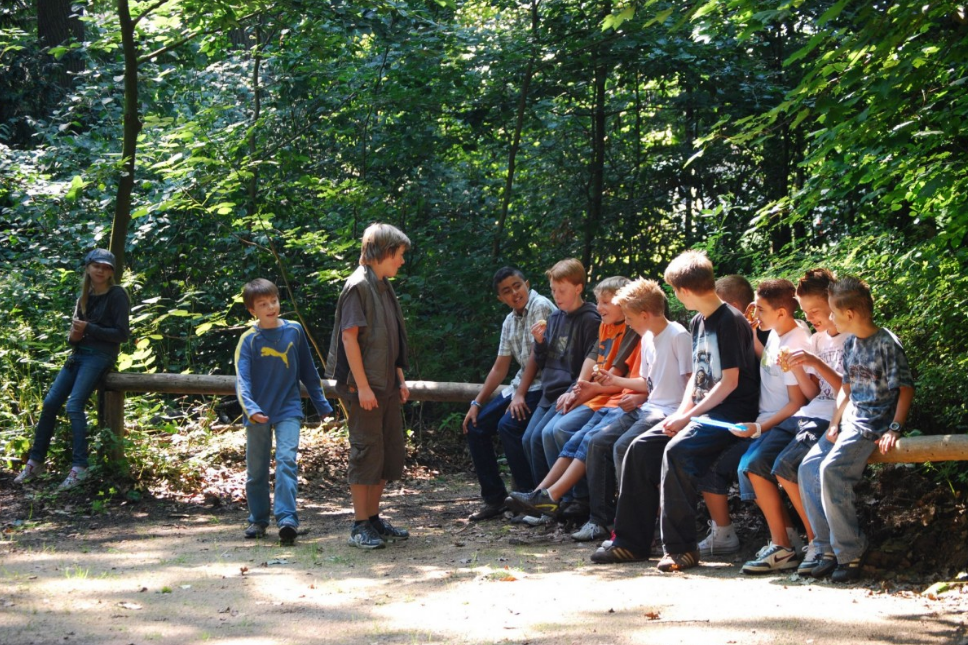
(377, 446)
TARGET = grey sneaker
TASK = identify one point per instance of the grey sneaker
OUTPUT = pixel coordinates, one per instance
(589, 532)
(811, 559)
(74, 478)
(532, 520)
(720, 541)
(31, 471)
(255, 531)
(388, 531)
(364, 536)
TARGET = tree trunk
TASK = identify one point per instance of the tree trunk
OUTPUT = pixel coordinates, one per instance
(129, 145)
(597, 170)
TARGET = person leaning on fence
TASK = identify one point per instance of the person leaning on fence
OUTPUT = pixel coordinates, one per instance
(367, 356)
(99, 326)
(271, 358)
(872, 406)
(486, 416)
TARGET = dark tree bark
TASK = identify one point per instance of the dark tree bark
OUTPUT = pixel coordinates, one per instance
(593, 219)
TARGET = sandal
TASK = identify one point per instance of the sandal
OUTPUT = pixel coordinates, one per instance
(678, 561)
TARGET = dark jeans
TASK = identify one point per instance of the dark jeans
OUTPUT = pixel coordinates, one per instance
(74, 384)
(494, 418)
(638, 499)
(600, 468)
(533, 445)
(688, 457)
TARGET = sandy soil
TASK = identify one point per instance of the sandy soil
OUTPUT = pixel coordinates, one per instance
(167, 572)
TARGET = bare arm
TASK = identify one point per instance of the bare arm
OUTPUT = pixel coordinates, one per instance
(905, 396)
(354, 356)
(495, 377)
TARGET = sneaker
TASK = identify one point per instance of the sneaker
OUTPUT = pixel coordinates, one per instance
(255, 531)
(589, 531)
(795, 540)
(720, 541)
(31, 471)
(388, 531)
(826, 566)
(777, 558)
(287, 534)
(536, 502)
(616, 555)
(848, 571)
(75, 477)
(606, 543)
(577, 510)
(678, 561)
(364, 536)
(811, 559)
(537, 520)
(516, 518)
(488, 510)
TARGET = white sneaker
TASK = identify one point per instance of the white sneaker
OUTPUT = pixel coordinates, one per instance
(795, 541)
(720, 541)
(31, 471)
(589, 532)
(777, 558)
(811, 559)
(75, 477)
(531, 520)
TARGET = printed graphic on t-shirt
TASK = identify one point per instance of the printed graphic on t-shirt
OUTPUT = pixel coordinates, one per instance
(705, 360)
(832, 356)
(269, 351)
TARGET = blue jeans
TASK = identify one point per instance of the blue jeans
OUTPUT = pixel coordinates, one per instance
(556, 433)
(689, 456)
(771, 454)
(534, 446)
(258, 448)
(492, 419)
(827, 477)
(576, 447)
(513, 439)
(74, 384)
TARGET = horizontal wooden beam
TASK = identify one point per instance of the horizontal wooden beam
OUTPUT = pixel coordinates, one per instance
(946, 447)
(225, 385)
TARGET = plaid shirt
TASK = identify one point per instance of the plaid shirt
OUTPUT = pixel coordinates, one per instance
(516, 339)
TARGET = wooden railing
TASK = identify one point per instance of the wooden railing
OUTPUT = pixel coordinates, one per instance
(111, 408)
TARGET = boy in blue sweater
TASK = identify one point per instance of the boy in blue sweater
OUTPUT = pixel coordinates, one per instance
(272, 357)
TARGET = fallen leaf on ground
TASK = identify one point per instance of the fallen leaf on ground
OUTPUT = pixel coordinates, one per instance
(129, 605)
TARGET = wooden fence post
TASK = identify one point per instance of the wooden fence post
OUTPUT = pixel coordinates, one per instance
(110, 411)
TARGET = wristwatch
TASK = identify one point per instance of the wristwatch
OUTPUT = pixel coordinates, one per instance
(895, 427)
(475, 403)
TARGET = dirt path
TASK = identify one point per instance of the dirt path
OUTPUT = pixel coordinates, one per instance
(161, 572)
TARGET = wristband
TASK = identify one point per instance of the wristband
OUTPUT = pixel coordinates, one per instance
(758, 432)
(476, 404)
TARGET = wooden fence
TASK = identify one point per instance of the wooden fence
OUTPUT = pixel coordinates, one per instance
(116, 384)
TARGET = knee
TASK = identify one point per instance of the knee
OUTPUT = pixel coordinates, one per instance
(75, 406)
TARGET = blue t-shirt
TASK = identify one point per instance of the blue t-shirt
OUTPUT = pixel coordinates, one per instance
(875, 368)
(269, 364)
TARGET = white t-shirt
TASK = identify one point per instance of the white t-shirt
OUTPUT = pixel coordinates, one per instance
(666, 365)
(773, 380)
(830, 349)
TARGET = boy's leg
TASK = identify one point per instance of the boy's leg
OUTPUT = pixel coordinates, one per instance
(480, 442)
(287, 446)
(555, 435)
(811, 495)
(533, 445)
(647, 418)
(594, 427)
(756, 480)
(689, 455)
(258, 447)
(600, 469)
(512, 433)
(839, 473)
(639, 498)
(787, 463)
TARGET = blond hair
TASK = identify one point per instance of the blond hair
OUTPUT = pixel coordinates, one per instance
(610, 286)
(86, 290)
(691, 270)
(570, 270)
(642, 296)
(381, 241)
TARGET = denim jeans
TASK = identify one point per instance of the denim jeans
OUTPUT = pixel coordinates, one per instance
(258, 448)
(766, 456)
(827, 477)
(492, 419)
(556, 433)
(513, 435)
(577, 446)
(534, 446)
(688, 457)
(74, 384)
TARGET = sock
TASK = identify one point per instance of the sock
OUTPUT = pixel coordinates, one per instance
(376, 521)
(358, 522)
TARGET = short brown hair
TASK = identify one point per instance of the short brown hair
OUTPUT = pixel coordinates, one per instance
(850, 293)
(815, 282)
(691, 270)
(735, 289)
(258, 288)
(780, 294)
(642, 296)
(569, 269)
(610, 286)
(380, 241)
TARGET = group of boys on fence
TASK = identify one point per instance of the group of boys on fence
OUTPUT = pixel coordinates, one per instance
(617, 416)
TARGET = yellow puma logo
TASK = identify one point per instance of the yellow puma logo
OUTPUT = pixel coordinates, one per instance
(268, 351)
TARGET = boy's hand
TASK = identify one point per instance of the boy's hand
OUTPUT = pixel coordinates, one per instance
(672, 425)
(564, 401)
(887, 441)
(801, 358)
(833, 431)
(538, 330)
(470, 417)
(368, 399)
(629, 402)
(404, 392)
(519, 408)
(258, 417)
(745, 434)
(604, 378)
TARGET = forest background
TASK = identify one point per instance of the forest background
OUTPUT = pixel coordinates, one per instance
(210, 142)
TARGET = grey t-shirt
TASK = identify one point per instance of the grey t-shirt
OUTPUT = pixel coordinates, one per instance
(353, 316)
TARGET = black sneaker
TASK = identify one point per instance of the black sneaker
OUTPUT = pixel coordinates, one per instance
(576, 509)
(287, 534)
(536, 503)
(255, 531)
(488, 510)
(364, 536)
(848, 571)
(827, 565)
(388, 531)
(616, 555)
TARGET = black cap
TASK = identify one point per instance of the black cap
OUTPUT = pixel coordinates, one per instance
(101, 256)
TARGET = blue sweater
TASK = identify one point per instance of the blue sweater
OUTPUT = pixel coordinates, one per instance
(269, 364)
